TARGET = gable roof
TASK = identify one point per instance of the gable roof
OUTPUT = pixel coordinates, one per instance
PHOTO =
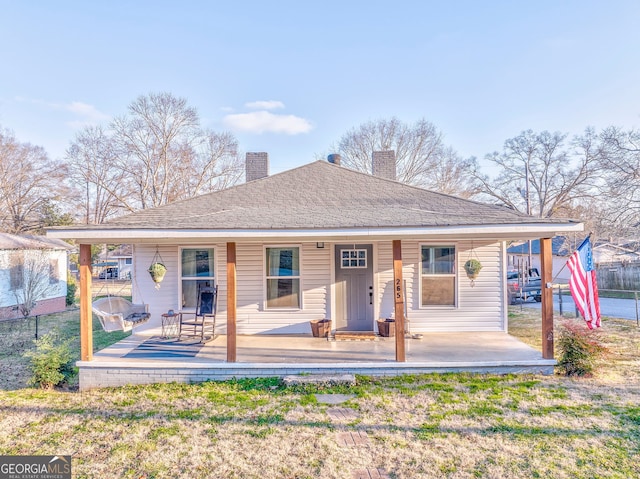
(19, 242)
(317, 196)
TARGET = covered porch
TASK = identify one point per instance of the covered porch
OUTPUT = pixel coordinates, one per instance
(144, 360)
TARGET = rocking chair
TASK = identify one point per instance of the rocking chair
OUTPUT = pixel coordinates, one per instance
(203, 320)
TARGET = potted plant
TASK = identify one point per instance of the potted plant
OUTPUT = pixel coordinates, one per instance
(473, 267)
(387, 327)
(157, 272)
(320, 328)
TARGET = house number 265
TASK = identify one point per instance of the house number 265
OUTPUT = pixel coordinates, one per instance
(398, 290)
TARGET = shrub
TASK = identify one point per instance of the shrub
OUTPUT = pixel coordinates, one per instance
(50, 363)
(579, 349)
(72, 287)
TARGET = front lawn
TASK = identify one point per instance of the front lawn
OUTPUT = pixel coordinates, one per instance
(426, 426)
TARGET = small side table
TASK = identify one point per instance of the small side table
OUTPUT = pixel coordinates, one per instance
(170, 325)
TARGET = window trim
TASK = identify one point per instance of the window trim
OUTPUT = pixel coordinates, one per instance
(265, 247)
(192, 278)
(455, 275)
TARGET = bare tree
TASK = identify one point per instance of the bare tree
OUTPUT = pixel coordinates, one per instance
(33, 276)
(94, 171)
(620, 162)
(540, 175)
(28, 180)
(422, 157)
(155, 154)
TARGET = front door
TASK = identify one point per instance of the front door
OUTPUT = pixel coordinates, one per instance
(354, 287)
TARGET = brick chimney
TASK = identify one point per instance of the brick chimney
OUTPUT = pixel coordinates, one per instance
(257, 166)
(384, 164)
(334, 158)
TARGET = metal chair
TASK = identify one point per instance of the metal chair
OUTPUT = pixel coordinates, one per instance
(202, 321)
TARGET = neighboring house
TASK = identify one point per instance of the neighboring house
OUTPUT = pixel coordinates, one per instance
(32, 267)
(608, 252)
(124, 257)
(115, 264)
(320, 241)
(561, 248)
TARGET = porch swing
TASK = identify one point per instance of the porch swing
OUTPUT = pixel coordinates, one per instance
(117, 313)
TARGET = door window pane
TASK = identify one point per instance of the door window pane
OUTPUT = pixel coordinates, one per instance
(353, 258)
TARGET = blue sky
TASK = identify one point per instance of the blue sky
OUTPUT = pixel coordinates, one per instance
(290, 78)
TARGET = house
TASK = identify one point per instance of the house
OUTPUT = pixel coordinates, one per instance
(561, 248)
(33, 269)
(115, 264)
(605, 252)
(322, 241)
(124, 259)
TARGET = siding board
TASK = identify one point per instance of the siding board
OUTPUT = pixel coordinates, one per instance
(479, 308)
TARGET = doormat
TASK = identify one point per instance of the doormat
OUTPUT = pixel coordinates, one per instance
(161, 348)
(356, 336)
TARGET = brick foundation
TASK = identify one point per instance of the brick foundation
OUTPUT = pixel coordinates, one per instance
(44, 306)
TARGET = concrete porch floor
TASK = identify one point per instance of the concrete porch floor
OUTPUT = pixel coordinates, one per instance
(275, 355)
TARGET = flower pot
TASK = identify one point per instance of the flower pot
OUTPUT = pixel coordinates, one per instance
(387, 327)
(472, 268)
(320, 328)
(157, 272)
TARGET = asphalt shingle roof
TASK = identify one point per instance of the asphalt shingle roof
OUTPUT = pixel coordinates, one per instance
(559, 247)
(11, 242)
(320, 195)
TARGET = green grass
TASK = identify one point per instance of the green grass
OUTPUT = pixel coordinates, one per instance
(431, 426)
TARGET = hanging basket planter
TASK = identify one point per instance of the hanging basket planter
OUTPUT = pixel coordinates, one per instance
(473, 267)
(157, 270)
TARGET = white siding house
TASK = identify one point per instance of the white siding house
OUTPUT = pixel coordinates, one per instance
(32, 268)
(325, 242)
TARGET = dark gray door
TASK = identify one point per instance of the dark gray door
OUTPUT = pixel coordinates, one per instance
(354, 287)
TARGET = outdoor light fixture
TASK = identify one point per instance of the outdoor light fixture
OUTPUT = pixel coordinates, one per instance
(319, 244)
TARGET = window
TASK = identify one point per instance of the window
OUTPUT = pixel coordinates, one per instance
(196, 269)
(53, 271)
(283, 278)
(16, 276)
(353, 258)
(128, 261)
(438, 275)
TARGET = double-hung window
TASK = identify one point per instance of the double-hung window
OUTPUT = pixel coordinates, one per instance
(196, 269)
(283, 277)
(438, 275)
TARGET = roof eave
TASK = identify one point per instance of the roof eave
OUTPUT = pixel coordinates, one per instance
(492, 231)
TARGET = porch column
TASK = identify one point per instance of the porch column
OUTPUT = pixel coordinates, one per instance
(231, 302)
(546, 263)
(398, 293)
(86, 315)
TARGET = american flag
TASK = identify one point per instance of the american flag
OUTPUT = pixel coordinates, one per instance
(583, 284)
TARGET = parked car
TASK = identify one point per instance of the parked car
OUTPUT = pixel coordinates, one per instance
(108, 273)
(524, 285)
